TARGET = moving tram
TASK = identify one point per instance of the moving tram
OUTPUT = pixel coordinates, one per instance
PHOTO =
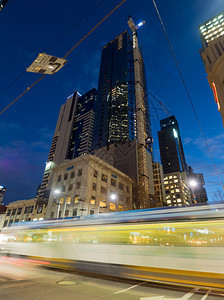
(182, 246)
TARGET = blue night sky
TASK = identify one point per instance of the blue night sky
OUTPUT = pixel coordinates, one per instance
(30, 27)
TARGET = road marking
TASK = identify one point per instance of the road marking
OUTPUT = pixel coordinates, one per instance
(206, 295)
(131, 287)
(185, 297)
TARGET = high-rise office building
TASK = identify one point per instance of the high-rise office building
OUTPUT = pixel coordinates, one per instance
(115, 108)
(72, 136)
(82, 131)
(212, 54)
(171, 148)
(122, 114)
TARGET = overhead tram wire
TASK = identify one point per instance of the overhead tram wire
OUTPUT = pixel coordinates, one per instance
(188, 94)
(55, 42)
(82, 39)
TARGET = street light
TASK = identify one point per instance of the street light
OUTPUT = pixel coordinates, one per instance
(193, 183)
(58, 192)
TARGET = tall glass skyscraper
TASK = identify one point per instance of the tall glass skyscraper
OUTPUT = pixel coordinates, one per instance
(171, 148)
(115, 120)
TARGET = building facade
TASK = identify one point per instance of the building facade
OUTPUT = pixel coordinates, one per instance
(122, 112)
(159, 187)
(2, 193)
(199, 193)
(171, 148)
(72, 136)
(23, 211)
(177, 189)
(212, 54)
(88, 185)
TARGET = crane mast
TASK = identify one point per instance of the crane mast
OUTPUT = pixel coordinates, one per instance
(143, 180)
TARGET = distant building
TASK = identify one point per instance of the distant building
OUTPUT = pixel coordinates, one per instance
(171, 148)
(72, 136)
(159, 187)
(212, 54)
(2, 215)
(198, 192)
(23, 211)
(3, 3)
(177, 189)
(88, 185)
(2, 193)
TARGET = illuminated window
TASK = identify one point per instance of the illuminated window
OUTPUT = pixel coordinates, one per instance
(172, 191)
(69, 200)
(174, 176)
(93, 200)
(167, 187)
(103, 203)
(61, 201)
(76, 200)
(171, 186)
(175, 180)
(177, 190)
(113, 182)
(178, 200)
(166, 178)
(170, 177)
(168, 201)
(120, 208)
(165, 182)
(112, 206)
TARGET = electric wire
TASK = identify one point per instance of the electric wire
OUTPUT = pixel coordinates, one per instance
(82, 39)
(186, 89)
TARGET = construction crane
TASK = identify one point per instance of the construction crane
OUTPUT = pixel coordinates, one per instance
(143, 178)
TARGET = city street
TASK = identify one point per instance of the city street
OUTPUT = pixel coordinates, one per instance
(19, 280)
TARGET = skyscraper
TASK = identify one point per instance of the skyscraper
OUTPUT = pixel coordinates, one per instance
(72, 136)
(171, 148)
(122, 114)
(115, 108)
(212, 54)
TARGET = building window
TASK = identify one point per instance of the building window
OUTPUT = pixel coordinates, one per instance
(103, 190)
(63, 188)
(69, 200)
(19, 211)
(178, 200)
(5, 223)
(72, 174)
(91, 212)
(103, 203)
(168, 201)
(165, 182)
(104, 177)
(121, 186)
(74, 213)
(9, 212)
(177, 190)
(14, 212)
(112, 206)
(59, 214)
(93, 200)
(120, 208)
(66, 213)
(113, 182)
(76, 200)
(95, 174)
(78, 184)
(61, 201)
(52, 215)
(94, 186)
(70, 187)
(80, 172)
(39, 209)
(170, 177)
(59, 178)
(65, 176)
(167, 191)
